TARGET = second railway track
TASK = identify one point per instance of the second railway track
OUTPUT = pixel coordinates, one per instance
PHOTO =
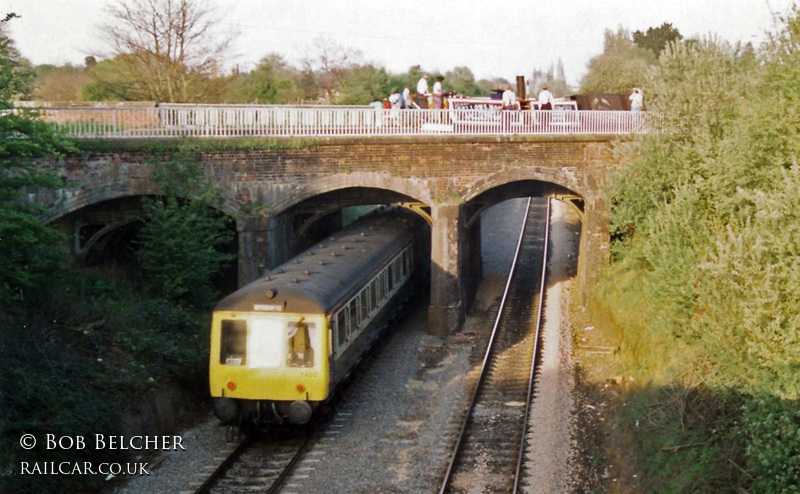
(489, 452)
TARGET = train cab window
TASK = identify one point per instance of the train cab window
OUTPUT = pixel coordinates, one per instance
(300, 351)
(233, 342)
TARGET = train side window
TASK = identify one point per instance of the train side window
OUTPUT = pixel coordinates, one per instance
(404, 264)
(373, 295)
(341, 329)
(390, 276)
(357, 310)
(352, 328)
(364, 296)
(233, 342)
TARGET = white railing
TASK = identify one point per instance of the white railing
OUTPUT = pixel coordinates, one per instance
(330, 121)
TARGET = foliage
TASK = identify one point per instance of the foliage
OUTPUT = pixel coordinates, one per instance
(656, 39)
(272, 81)
(109, 80)
(772, 431)
(365, 84)
(705, 274)
(15, 72)
(181, 238)
(462, 81)
(29, 250)
(620, 67)
(75, 367)
(60, 83)
(330, 66)
(685, 435)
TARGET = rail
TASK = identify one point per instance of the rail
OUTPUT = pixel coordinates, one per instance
(293, 121)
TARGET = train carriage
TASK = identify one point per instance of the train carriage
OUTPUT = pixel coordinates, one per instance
(281, 344)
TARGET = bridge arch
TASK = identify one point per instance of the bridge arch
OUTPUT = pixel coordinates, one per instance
(292, 220)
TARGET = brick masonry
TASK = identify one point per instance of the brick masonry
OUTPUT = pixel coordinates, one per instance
(452, 176)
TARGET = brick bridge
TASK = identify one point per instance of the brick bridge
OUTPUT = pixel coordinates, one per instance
(281, 194)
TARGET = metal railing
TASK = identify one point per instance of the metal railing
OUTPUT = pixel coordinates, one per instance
(294, 121)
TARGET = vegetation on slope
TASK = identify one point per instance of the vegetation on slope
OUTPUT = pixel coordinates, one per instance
(704, 286)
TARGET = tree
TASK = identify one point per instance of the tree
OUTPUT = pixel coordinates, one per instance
(462, 80)
(272, 81)
(15, 72)
(620, 67)
(60, 83)
(330, 64)
(29, 250)
(656, 39)
(182, 236)
(166, 47)
(365, 83)
(108, 81)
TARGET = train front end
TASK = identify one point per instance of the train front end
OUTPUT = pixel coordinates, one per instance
(267, 366)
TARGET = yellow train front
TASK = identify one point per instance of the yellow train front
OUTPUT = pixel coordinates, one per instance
(281, 344)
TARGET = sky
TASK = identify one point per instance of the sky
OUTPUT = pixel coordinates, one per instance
(492, 38)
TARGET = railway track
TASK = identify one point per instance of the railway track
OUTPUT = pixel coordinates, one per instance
(260, 463)
(491, 444)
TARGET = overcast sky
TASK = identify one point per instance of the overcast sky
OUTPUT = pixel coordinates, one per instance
(492, 38)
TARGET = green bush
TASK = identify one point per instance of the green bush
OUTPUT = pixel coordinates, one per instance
(771, 431)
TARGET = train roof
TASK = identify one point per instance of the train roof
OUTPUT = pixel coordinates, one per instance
(320, 277)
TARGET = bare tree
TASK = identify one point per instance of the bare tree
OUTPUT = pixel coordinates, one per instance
(168, 47)
(330, 63)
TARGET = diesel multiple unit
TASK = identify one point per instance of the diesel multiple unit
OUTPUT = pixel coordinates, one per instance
(281, 344)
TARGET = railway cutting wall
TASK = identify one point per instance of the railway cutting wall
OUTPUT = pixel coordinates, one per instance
(272, 190)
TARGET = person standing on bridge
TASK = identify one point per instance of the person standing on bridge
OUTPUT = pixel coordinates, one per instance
(637, 98)
(438, 93)
(422, 92)
(395, 100)
(407, 103)
(509, 104)
(509, 99)
(545, 99)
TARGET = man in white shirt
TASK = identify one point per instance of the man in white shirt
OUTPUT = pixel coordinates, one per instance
(636, 98)
(509, 99)
(545, 99)
(422, 92)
